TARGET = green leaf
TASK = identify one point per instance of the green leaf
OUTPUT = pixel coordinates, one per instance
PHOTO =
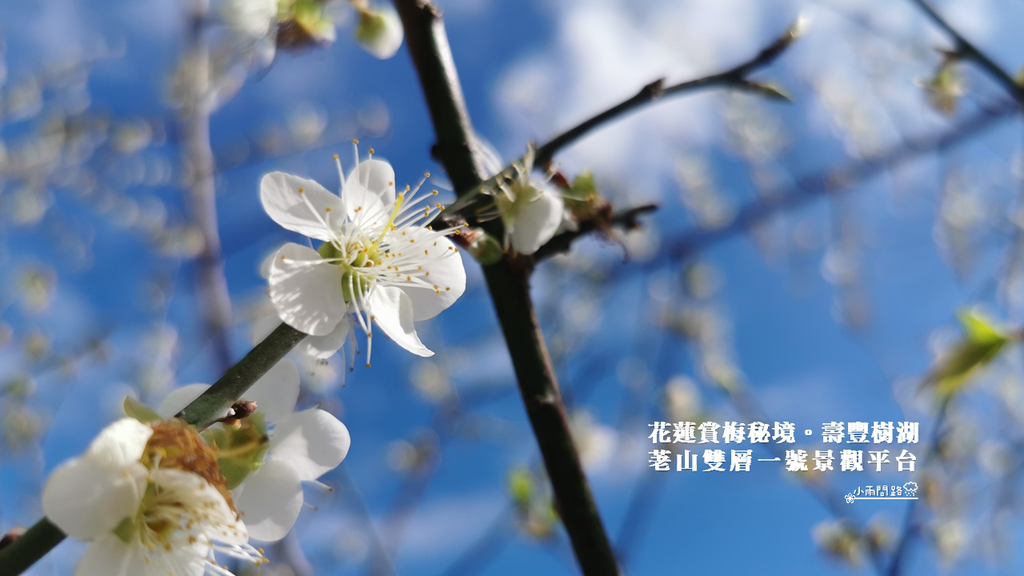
(980, 328)
(583, 188)
(135, 409)
(982, 342)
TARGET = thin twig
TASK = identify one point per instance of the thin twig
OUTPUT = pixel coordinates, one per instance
(965, 49)
(736, 77)
(910, 527)
(563, 242)
(835, 180)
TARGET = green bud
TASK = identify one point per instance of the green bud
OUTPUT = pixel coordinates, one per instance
(379, 32)
(520, 485)
(485, 248)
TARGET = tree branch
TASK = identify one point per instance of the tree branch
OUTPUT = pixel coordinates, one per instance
(835, 180)
(194, 119)
(508, 282)
(966, 49)
(43, 536)
(733, 78)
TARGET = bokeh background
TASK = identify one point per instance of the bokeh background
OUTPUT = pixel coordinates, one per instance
(908, 181)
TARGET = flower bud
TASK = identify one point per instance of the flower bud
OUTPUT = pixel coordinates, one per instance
(379, 32)
(484, 247)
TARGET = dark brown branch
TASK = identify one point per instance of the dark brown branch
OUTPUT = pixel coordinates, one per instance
(965, 49)
(508, 282)
(627, 219)
(736, 77)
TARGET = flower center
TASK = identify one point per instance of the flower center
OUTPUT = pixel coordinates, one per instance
(362, 255)
(175, 444)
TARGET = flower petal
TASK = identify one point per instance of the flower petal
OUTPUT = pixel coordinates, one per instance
(446, 272)
(369, 194)
(283, 202)
(106, 556)
(277, 391)
(270, 500)
(87, 499)
(536, 222)
(306, 291)
(268, 324)
(120, 444)
(326, 346)
(179, 398)
(391, 309)
(312, 442)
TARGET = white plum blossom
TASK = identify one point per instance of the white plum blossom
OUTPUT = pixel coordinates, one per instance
(531, 210)
(379, 263)
(302, 447)
(150, 501)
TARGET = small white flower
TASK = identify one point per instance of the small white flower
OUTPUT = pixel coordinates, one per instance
(531, 210)
(253, 23)
(378, 263)
(143, 515)
(380, 31)
(302, 447)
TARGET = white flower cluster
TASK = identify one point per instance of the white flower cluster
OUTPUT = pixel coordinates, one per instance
(159, 498)
(156, 497)
(150, 499)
